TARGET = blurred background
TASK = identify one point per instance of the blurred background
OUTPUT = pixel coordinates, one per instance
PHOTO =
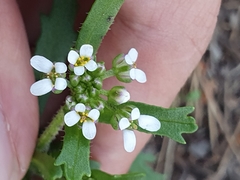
(213, 152)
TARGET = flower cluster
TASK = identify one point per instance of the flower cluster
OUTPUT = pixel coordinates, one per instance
(88, 99)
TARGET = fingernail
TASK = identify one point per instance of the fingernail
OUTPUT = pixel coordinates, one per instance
(8, 161)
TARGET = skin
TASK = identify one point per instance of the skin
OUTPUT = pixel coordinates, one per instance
(170, 36)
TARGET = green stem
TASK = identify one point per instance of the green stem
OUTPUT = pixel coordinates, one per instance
(51, 131)
(108, 74)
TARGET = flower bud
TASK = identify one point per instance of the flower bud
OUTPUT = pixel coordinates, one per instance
(118, 95)
(97, 83)
(80, 89)
(70, 103)
(97, 104)
(86, 78)
(74, 80)
(83, 97)
(93, 92)
(119, 61)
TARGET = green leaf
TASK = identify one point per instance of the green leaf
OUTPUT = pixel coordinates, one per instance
(174, 121)
(75, 154)
(100, 175)
(97, 23)
(140, 165)
(45, 165)
(57, 36)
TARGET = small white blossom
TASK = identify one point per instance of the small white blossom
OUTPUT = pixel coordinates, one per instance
(129, 138)
(82, 60)
(135, 73)
(53, 80)
(88, 119)
(146, 122)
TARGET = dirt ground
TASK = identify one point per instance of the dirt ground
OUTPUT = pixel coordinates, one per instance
(213, 152)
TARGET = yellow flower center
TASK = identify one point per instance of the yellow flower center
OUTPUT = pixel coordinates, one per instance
(83, 117)
(52, 75)
(135, 65)
(82, 60)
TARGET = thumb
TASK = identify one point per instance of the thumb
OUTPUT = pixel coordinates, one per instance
(18, 108)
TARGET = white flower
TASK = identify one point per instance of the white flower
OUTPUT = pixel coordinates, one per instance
(135, 73)
(146, 122)
(88, 119)
(149, 123)
(83, 59)
(54, 81)
(129, 138)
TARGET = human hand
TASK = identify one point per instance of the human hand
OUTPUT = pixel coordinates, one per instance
(170, 36)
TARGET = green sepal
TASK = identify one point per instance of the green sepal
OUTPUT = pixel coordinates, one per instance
(174, 121)
(97, 83)
(118, 61)
(74, 80)
(82, 97)
(114, 122)
(100, 175)
(93, 92)
(81, 88)
(86, 78)
(44, 164)
(124, 76)
(75, 154)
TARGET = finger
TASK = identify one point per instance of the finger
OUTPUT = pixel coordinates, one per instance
(18, 108)
(171, 36)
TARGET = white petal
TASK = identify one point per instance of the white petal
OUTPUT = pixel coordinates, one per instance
(135, 114)
(94, 114)
(41, 87)
(140, 76)
(60, 67)
(131, 57)
(149, 123)
(72, 57)
(41, 64)
(89, 130)
(133, 73)
(86, 50)
(124, 123)
(60, 84)
(79, 70)
(91, 65)
(80, 107)
(71, 118)
(129, 140)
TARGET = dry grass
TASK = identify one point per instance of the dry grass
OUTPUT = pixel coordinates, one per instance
(213, 152)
